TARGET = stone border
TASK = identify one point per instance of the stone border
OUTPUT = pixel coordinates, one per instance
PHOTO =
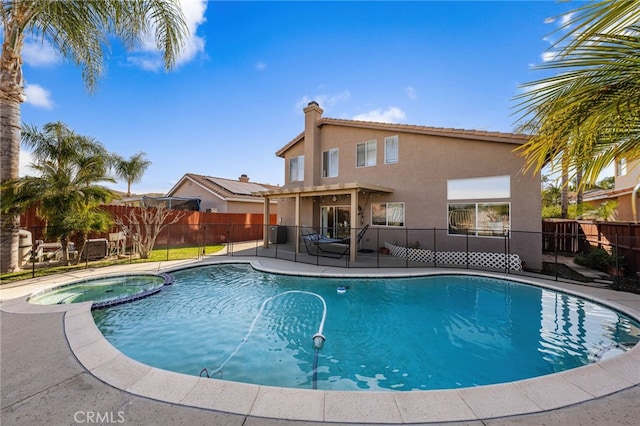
(544, 393)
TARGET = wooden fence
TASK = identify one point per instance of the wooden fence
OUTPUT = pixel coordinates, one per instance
(192, 229)
(579, 236)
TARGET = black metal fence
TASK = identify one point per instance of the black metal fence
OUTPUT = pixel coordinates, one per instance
(513, 252)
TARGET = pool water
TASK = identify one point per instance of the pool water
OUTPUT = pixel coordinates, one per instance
(102, 291)
(436, 332)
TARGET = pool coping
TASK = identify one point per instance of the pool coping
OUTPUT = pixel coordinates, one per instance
(529, 396)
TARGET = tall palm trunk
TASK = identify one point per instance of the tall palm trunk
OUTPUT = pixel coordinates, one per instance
(78, 31)
(11, 95)
(10, 147)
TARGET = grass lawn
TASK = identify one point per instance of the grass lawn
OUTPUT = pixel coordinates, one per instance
(157, 255)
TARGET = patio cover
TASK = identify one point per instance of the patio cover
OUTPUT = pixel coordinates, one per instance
(354, 189)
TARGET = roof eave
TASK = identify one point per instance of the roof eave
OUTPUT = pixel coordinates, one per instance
(338, 188)
(281, 151)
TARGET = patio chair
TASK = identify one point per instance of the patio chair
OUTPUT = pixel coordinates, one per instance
(319, 245)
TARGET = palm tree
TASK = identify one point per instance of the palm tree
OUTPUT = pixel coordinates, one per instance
(65, 190)
(132, 170)
(587, 116)
(80, 31)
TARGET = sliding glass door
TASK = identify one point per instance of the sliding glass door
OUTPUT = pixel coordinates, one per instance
(334, 221)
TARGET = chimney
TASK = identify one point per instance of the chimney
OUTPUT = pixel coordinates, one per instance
(243, 178)
(312, 153)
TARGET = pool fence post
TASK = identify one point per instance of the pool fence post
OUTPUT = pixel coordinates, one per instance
(617, 261)
(555, 250)
(204, 240)
(297, 236)
(258, 240)
(168, 234)
(378, 247)
(33, 260)
(466, 257)
(127, 236)
(406, 245)
(506, 249)
(275, 242)
(509, 250)
(435, 253)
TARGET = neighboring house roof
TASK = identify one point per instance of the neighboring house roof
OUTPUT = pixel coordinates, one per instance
(226, 189)
(606, 194)
(516, 138)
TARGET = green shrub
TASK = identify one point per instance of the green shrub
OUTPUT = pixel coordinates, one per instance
(598, 259)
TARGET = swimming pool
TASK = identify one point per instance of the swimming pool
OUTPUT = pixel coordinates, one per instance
(436, 332)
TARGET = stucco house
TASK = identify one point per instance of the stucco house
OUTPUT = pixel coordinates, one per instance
(220, 195)
(625, 190)
(466, 185)
(341, 175)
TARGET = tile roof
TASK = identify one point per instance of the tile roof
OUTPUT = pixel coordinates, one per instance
(227, 188)
(606, 194)
(516, 138)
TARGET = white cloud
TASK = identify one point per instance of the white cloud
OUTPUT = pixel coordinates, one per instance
(146, 61)
(39, 54)
(411, 92)
(261, 66)
(549, 56)
(149, 58)
(38, 96)
(324, 100)
(559, 20)
(24, 167)
(566, 18)
(194, 15)
(390, 115)
(535, 87)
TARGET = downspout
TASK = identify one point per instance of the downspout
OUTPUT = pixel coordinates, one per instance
(634, 209)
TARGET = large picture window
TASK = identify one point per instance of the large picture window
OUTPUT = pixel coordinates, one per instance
(296, 169)
(479, 219)
(366, 154)
(387, 214)
(330, 163)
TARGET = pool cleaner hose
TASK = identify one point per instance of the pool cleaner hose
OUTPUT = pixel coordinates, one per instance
(318, 338)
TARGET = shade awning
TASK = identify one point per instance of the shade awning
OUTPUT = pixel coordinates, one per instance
(311, 191)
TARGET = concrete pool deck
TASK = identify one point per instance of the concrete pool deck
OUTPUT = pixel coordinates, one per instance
(57, 368)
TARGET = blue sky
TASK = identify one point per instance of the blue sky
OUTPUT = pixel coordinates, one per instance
(249, 68)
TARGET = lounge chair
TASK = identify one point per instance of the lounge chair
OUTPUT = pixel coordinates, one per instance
(319, 245)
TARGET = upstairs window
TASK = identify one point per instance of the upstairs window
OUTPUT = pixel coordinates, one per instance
(391, 150)
(330, 163)
(478, 188)
(296, 169)
(366, 154)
